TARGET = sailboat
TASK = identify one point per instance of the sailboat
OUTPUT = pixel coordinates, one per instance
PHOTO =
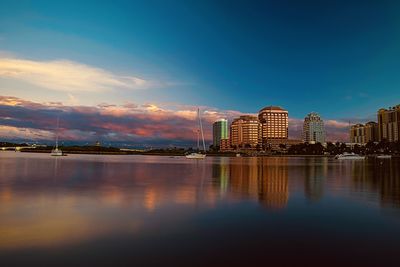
(56, 151)
(197, 155)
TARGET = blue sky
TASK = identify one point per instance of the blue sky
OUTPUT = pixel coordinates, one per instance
(338, 58)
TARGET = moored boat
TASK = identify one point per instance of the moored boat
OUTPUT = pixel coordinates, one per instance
(384, 156)
(56, 152)
(198, 155)
(195, 156)
(349, 156)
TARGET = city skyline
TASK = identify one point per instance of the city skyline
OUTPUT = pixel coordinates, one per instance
(133, 72)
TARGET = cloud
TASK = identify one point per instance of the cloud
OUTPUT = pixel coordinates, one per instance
(151, 124)
(147, 123)
(10, 132)
(73, 100)
(68, 76)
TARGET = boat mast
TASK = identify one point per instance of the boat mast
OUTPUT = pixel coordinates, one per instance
(198, 140)
(58, 124)
(201, 130)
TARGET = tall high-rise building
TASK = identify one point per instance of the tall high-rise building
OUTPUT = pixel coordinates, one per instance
(357, 134)
(274, 125)
(362, 134)
(371, 132)
(389, 124)
(313, 129)
(220, 131)
(245, 132)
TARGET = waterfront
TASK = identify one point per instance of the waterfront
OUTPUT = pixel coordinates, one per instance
(91, 210)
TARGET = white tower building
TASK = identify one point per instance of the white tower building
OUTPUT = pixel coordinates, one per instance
(313, 129)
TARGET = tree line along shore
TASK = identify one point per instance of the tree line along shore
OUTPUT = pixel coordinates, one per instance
(304, 149)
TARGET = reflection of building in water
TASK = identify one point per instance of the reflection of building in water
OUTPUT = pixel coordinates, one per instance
(390, 184)
(220, 175)
(243, 177)
(381, 177)
(262, 179)
(273, 187)
(315, 172)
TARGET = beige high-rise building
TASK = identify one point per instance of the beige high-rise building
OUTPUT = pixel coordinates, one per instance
(357, 134)
(245, 132)
(274, 125)
(389, 124)
(362, 134)
(371, 132)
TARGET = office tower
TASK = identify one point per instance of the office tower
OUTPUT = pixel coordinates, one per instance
(245, 132)
(362, 134)
(274, 125)
(357, 134)
(220, 131)
(389, 124)
(371, 132)
(313, 129)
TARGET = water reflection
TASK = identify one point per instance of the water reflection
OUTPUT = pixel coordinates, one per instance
(378, 178)
(315, 173)
(260, 179)
(47, 202)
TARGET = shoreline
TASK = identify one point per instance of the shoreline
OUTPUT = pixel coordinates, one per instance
(231, 155)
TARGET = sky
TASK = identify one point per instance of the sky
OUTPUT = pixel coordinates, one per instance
(135, 71)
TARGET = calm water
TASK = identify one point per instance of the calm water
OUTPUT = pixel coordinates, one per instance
(86, 210)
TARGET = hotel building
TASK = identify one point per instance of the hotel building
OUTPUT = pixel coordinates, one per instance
(362, 134)
(274, 125)
(313, 129)
(357, 134)
(371, 132)
(225, 145)
(389, 124)
(220, 131)
(245, 132)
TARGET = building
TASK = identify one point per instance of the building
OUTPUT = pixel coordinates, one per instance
(389, 124)
(362, 134)
(274, 125)
(371, 132)
(281, 145)
(313, 129)
(245, 132)
(357, 134)
(220, 131)
(225, 144)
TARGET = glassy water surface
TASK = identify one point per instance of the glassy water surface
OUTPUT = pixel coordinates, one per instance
(84, 210)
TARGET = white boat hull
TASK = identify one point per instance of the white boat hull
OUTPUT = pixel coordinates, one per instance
(352, 156)
(195, 156)
(384, 156)
(56, 153)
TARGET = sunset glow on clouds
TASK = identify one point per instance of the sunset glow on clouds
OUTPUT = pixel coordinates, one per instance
(159, 123)
(149, 123)
(130, 122)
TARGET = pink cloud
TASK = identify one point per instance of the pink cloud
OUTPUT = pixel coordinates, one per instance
(151, 122)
